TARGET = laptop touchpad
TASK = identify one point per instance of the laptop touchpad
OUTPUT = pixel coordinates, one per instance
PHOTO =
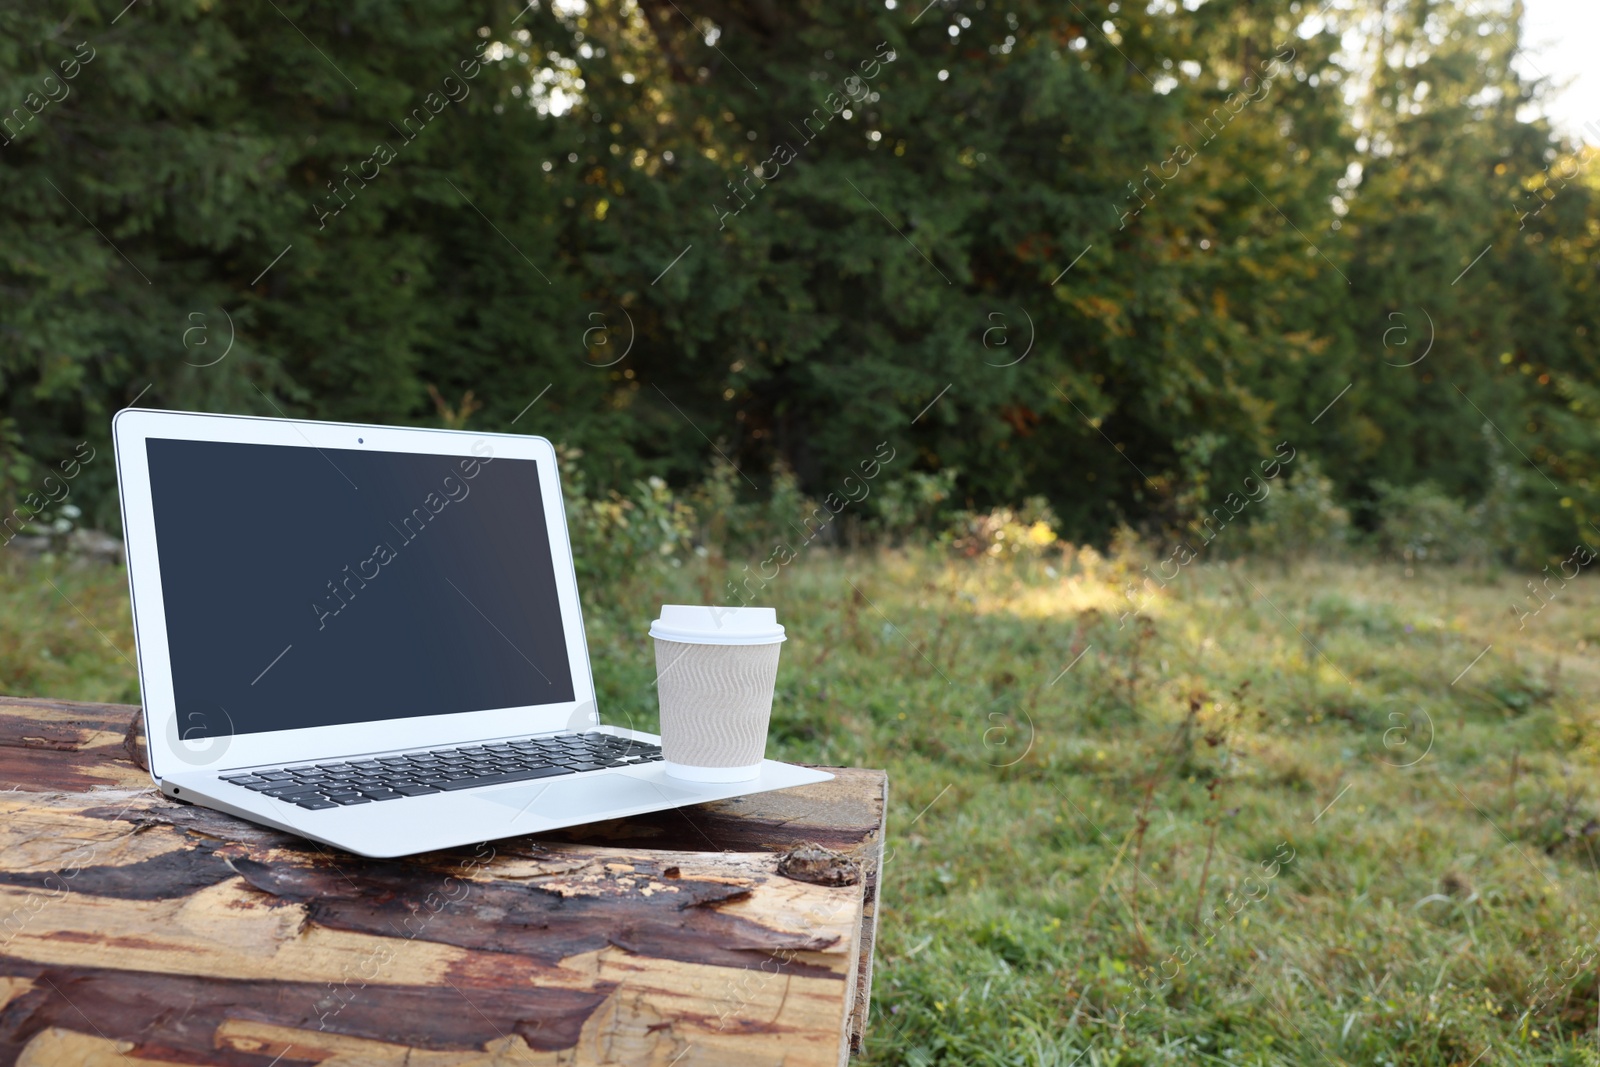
(597, 794)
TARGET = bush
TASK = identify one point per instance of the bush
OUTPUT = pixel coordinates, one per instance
(614, 535)
(1006, 532)
(1422, 523)
(1301, 516)
(617, 536)
(913, 502)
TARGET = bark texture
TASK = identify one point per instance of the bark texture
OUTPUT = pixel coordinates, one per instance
(134, 929)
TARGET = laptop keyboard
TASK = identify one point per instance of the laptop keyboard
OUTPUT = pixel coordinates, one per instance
(318, 786)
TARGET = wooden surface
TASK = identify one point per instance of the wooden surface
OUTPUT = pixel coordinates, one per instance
(138, 931)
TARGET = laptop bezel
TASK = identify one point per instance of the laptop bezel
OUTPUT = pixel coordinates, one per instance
(169, 752)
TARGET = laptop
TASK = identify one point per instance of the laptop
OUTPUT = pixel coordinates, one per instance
(370, 636)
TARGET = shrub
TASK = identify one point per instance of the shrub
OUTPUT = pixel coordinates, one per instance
(1422, 523)
(613, 535)
(1301, 516)
(913, 502)
(1006, 532)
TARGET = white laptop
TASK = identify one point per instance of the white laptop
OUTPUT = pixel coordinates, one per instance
(370, 635)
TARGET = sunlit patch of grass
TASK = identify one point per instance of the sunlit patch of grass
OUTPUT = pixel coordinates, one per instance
(1064, 777)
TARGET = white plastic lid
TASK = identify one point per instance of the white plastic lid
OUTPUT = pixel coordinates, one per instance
(694, 624)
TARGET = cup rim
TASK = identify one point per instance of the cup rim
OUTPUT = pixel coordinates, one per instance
(698, 624)
(678, 637)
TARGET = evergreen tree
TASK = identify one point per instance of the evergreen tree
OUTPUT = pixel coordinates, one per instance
(1111, 254)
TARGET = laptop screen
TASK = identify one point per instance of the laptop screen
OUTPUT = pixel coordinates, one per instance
(317, 587)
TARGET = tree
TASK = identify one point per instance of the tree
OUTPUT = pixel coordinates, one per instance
(1113, 256)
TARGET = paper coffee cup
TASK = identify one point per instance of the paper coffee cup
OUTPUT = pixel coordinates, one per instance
(715, 671)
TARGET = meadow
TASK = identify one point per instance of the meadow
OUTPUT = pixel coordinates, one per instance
(1311, 812)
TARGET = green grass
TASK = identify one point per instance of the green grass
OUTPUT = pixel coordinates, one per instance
(65, 630)
(1049, 832)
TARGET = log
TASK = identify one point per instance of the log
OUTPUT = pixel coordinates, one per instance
(134, 928)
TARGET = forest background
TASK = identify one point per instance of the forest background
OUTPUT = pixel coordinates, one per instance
(1113, 260)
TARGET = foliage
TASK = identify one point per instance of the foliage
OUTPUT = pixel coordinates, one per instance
(914, 503)
(1421, 523)
(797, 230)
(1006, 532)
(1301, 516)
(615, 535)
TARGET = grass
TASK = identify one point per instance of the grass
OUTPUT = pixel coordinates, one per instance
(65, 630)
(1284, 815)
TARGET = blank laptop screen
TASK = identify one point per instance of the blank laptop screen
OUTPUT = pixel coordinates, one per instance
(315, 587)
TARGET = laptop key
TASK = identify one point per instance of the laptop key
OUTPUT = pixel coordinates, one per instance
(414, 790)
(578, 767)
(291, 793)
(380, 794)
(347, 800)
(497, 779)
(315, 803)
